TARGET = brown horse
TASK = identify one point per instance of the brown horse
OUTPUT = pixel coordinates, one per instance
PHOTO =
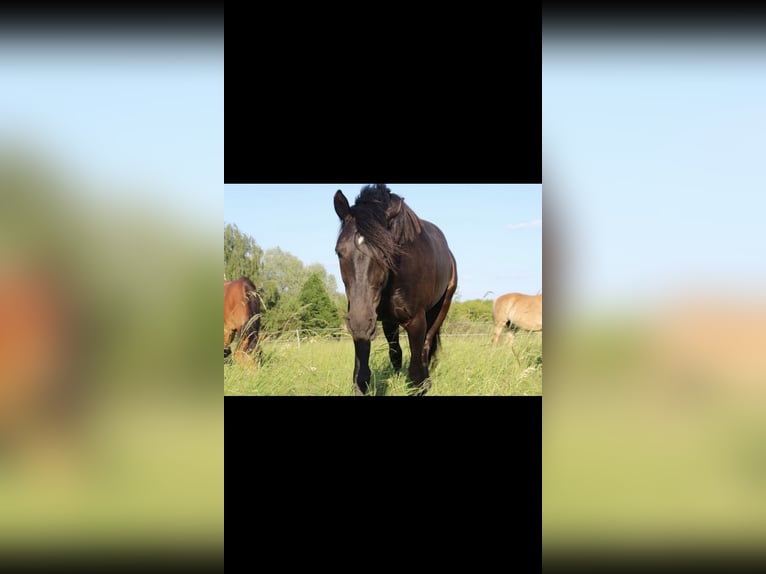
(241, 315)
(518, 311)
(40, 346)
(397, 268)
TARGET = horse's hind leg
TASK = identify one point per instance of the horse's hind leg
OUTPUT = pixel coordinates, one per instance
(416, 332)
(513, 330)
(432, 336)
(391, 330)
(242, 354)
(497, 332)
(248, 343)
(250, 335)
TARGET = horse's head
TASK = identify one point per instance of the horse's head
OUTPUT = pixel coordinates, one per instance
(365, 252)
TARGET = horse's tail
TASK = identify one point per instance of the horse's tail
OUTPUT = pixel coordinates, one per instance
(253, 326)
(435, 346)
(253, 298)
(431, 316)
(440, 310)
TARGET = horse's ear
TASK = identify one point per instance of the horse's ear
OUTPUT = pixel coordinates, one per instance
(341, 205)
(395, 207)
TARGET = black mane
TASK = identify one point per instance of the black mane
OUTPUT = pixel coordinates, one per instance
(385, 221)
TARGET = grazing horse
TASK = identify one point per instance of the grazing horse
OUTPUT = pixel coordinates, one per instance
(518, 311)
(241, 315)
(397, 268)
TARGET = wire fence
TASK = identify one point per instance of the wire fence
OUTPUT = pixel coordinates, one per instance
(453, 329)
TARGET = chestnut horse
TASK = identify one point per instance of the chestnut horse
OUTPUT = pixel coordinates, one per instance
(397, 268)
(241, 315)
(518, 311)
(41, 348)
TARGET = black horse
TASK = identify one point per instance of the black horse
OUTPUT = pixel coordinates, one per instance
(397, 268)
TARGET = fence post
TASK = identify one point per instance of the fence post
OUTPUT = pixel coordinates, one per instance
(298, 335)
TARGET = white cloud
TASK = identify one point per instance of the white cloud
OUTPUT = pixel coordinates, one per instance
(536, 224)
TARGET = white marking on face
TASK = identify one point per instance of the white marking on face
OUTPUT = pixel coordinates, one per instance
(359, 239)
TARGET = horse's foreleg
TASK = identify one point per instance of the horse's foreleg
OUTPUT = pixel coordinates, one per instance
(361, 367)
(391, 330)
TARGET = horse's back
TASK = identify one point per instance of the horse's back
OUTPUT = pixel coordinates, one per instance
(523, 311)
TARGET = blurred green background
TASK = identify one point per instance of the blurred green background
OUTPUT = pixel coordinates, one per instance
(653, 430)
(111, 415)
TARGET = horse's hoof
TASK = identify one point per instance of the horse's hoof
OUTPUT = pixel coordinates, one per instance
(422, 388)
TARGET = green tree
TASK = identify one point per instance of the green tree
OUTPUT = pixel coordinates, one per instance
(279, 277)
(283, 316)
(283, 275)
(317, 310)
(329, 280)
(241, 255)
(341, 308)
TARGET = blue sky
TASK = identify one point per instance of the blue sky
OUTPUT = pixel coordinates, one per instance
(494, 231)
(653, 148)
(653, 152)
(142, 117)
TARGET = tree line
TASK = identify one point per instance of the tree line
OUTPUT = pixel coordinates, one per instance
(294, 295)
(306, 297)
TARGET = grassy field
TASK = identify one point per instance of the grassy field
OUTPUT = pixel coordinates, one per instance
(465, 365)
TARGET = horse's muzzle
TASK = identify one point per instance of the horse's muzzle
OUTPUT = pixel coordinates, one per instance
(362, 328)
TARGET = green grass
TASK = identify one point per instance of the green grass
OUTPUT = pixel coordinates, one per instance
(465, 365)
